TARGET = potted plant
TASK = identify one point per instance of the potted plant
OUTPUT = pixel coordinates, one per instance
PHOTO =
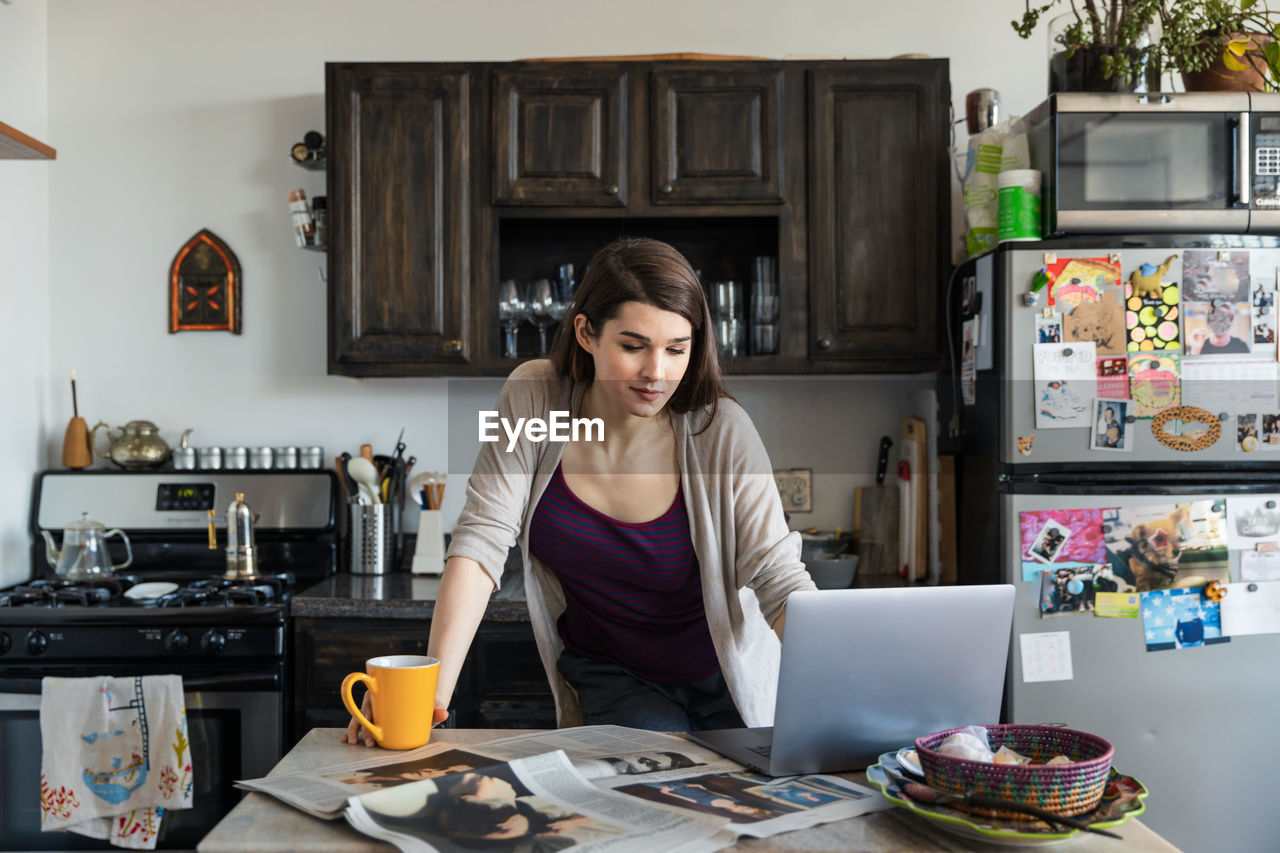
(1223, 44)
(1101, 45)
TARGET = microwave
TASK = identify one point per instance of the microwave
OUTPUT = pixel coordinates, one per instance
(1136, 163)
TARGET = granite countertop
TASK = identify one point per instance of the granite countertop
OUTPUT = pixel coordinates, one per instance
(398, 595)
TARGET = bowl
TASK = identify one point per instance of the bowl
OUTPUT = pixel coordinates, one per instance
(835, 573)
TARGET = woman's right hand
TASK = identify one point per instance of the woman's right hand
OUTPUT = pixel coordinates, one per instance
(357, 733)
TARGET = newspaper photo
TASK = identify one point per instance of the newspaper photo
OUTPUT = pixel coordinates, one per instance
(534, 804)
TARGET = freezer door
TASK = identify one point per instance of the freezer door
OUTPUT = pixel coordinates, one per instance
(1231, 389)
(1187, 722)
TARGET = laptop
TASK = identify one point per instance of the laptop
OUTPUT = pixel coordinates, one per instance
(866, 671)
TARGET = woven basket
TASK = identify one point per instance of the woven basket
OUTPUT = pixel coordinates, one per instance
(1065, 789)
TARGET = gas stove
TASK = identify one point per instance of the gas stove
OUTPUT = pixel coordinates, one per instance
(131, 591)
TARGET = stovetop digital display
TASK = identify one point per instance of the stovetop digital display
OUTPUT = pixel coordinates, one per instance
(184, 496)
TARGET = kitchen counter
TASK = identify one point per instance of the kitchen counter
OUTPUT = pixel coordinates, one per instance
(261, 824)
(398, 595)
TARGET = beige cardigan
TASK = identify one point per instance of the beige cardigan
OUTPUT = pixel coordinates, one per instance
(750, 561)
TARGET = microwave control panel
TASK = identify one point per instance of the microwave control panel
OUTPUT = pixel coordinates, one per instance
(1266, 162)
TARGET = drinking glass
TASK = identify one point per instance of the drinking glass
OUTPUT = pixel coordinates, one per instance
(541, 299)
(565, 283)
(764, 306)
(513, 310)
(726, 306)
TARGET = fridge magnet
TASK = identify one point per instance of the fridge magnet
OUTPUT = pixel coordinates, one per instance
(204, 286)
(1110, 429)
(1260, 566)
(1209, 275)
(1196, 428)
(1151, 322)
(1113, 377)
(1065, 384)
(1180, 619)
(1163, 546)
(1252, 520)
(1145, 280)
(1153, 383)
(1218, 328)
(1101, 322)
(1049, 329)
(1025, 443)
(1251, 608)
(1264, 322)
(1116, 605)
(1074, 281)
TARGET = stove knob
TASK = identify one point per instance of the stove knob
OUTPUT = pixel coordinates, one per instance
(176, 641)
(37, 642)
(213, 641)
(5, 643)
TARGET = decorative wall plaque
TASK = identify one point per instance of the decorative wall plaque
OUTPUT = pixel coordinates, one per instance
(204, 286)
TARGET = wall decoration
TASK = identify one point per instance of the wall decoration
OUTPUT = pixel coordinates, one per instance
(1113, 377)
(204, 286)
(1160, 546)
(1151, 322)
(1252, 519)
(1209, 275)
(1218, 328)
(1180, 619)
(1102, 322)
(1145, 280)
(1065, 384)
(1188, 438)
(1153, 382)
(1111, 431)
(1049, 329)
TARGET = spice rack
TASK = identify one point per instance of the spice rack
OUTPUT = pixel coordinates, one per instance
(309, 218)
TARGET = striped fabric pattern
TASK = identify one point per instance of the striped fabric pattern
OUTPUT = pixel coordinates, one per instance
(633, 591)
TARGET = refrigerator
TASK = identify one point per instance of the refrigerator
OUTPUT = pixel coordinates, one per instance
(1102, 505)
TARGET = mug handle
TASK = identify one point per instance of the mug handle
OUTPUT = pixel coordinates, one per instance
(128, 550)
(347, 684)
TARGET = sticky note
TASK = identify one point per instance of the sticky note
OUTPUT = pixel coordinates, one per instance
(1251, 612)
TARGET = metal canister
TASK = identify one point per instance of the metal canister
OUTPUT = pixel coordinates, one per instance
(235, 458)
(184, 458)
(981, 109)
(286, 457)
(311, 458)
(261, 458)
(210, 458)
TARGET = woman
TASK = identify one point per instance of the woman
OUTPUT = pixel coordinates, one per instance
(657, 560)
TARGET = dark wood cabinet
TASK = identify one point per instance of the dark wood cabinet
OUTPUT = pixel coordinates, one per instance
(878, 233)
(560, 137)
(398, 181)
(445, 179)
(715, 135)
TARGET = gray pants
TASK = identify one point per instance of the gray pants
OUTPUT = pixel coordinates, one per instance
(610, 694)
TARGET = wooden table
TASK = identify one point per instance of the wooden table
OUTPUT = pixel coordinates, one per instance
(262, 824)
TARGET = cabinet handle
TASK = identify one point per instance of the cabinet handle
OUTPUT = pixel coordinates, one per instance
(612, 189)
(667, 188)
(454, 346)
(824, 343)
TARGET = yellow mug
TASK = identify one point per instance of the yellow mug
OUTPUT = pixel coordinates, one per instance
(403, 690)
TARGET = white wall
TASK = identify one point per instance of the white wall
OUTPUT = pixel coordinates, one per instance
(171, 115)
(25, 384)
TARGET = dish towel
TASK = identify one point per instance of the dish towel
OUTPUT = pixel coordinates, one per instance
(115, 756)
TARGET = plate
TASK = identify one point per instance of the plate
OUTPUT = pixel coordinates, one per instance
(147, 591)
(1121, 800)
(909, 761)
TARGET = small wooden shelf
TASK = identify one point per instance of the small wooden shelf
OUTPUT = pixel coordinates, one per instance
(16, 145)
(309, 165)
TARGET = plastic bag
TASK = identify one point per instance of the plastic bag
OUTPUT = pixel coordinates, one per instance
(970, 743)
(997, 149)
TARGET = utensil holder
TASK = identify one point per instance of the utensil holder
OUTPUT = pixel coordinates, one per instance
(75, 445)
(428, 555)
(369, 539)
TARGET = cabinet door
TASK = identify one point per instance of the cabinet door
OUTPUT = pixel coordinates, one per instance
(879, 211)
(715, 136)
(559, 137)
(399, 257)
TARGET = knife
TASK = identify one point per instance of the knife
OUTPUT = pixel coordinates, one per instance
(925, 794)
(882, 462)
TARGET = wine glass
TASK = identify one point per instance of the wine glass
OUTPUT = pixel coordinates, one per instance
(540, 300)
(513, 310)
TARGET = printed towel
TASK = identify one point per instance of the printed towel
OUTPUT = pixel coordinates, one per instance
(115, 756)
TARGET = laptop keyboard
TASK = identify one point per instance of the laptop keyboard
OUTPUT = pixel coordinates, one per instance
(764, 750)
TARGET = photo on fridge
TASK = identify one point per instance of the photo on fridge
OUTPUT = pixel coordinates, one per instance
(1164, 546)
(1180, 619)
(1218, 328)
(1111, 430)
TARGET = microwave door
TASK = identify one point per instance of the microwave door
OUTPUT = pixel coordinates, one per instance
(1124, 171)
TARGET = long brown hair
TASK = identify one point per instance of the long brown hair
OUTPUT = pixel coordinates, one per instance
(638, 269)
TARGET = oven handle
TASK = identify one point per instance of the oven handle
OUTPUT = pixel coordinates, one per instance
(239, 683)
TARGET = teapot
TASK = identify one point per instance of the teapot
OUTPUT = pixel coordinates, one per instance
(84, 550)
(137, 445)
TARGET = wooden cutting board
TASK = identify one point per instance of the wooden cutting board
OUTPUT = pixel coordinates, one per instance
(913, 542)
(875, 520)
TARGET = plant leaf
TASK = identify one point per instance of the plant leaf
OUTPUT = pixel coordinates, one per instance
(1238, 46)
(1232, 63)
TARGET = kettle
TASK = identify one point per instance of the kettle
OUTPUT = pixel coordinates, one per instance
(84, 550)
(242, 556)
(137, 445)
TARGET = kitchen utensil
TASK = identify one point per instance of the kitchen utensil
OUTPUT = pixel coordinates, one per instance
(875, 519)
(83, 555)
(922, 793)
(348, 482)
(135, 445)
(76, 451)
(365, 473)
(184, 455)
(242, 556)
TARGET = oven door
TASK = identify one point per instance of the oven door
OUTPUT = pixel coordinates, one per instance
(1180, 164)
(234, 728)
